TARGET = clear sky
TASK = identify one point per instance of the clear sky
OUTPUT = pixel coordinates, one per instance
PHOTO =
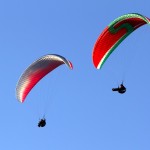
(81, 110)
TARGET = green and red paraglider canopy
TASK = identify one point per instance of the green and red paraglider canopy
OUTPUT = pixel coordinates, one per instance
(114, 34)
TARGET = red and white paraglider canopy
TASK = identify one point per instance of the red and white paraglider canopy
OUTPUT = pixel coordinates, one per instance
(36, 71)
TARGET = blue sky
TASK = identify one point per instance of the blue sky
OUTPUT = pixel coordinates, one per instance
(81, 110)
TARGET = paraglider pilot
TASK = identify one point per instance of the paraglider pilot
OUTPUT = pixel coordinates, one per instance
(42, 122)
(121, 89)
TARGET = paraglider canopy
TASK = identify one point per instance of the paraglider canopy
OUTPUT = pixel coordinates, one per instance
(36, 71)
(114, 34)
